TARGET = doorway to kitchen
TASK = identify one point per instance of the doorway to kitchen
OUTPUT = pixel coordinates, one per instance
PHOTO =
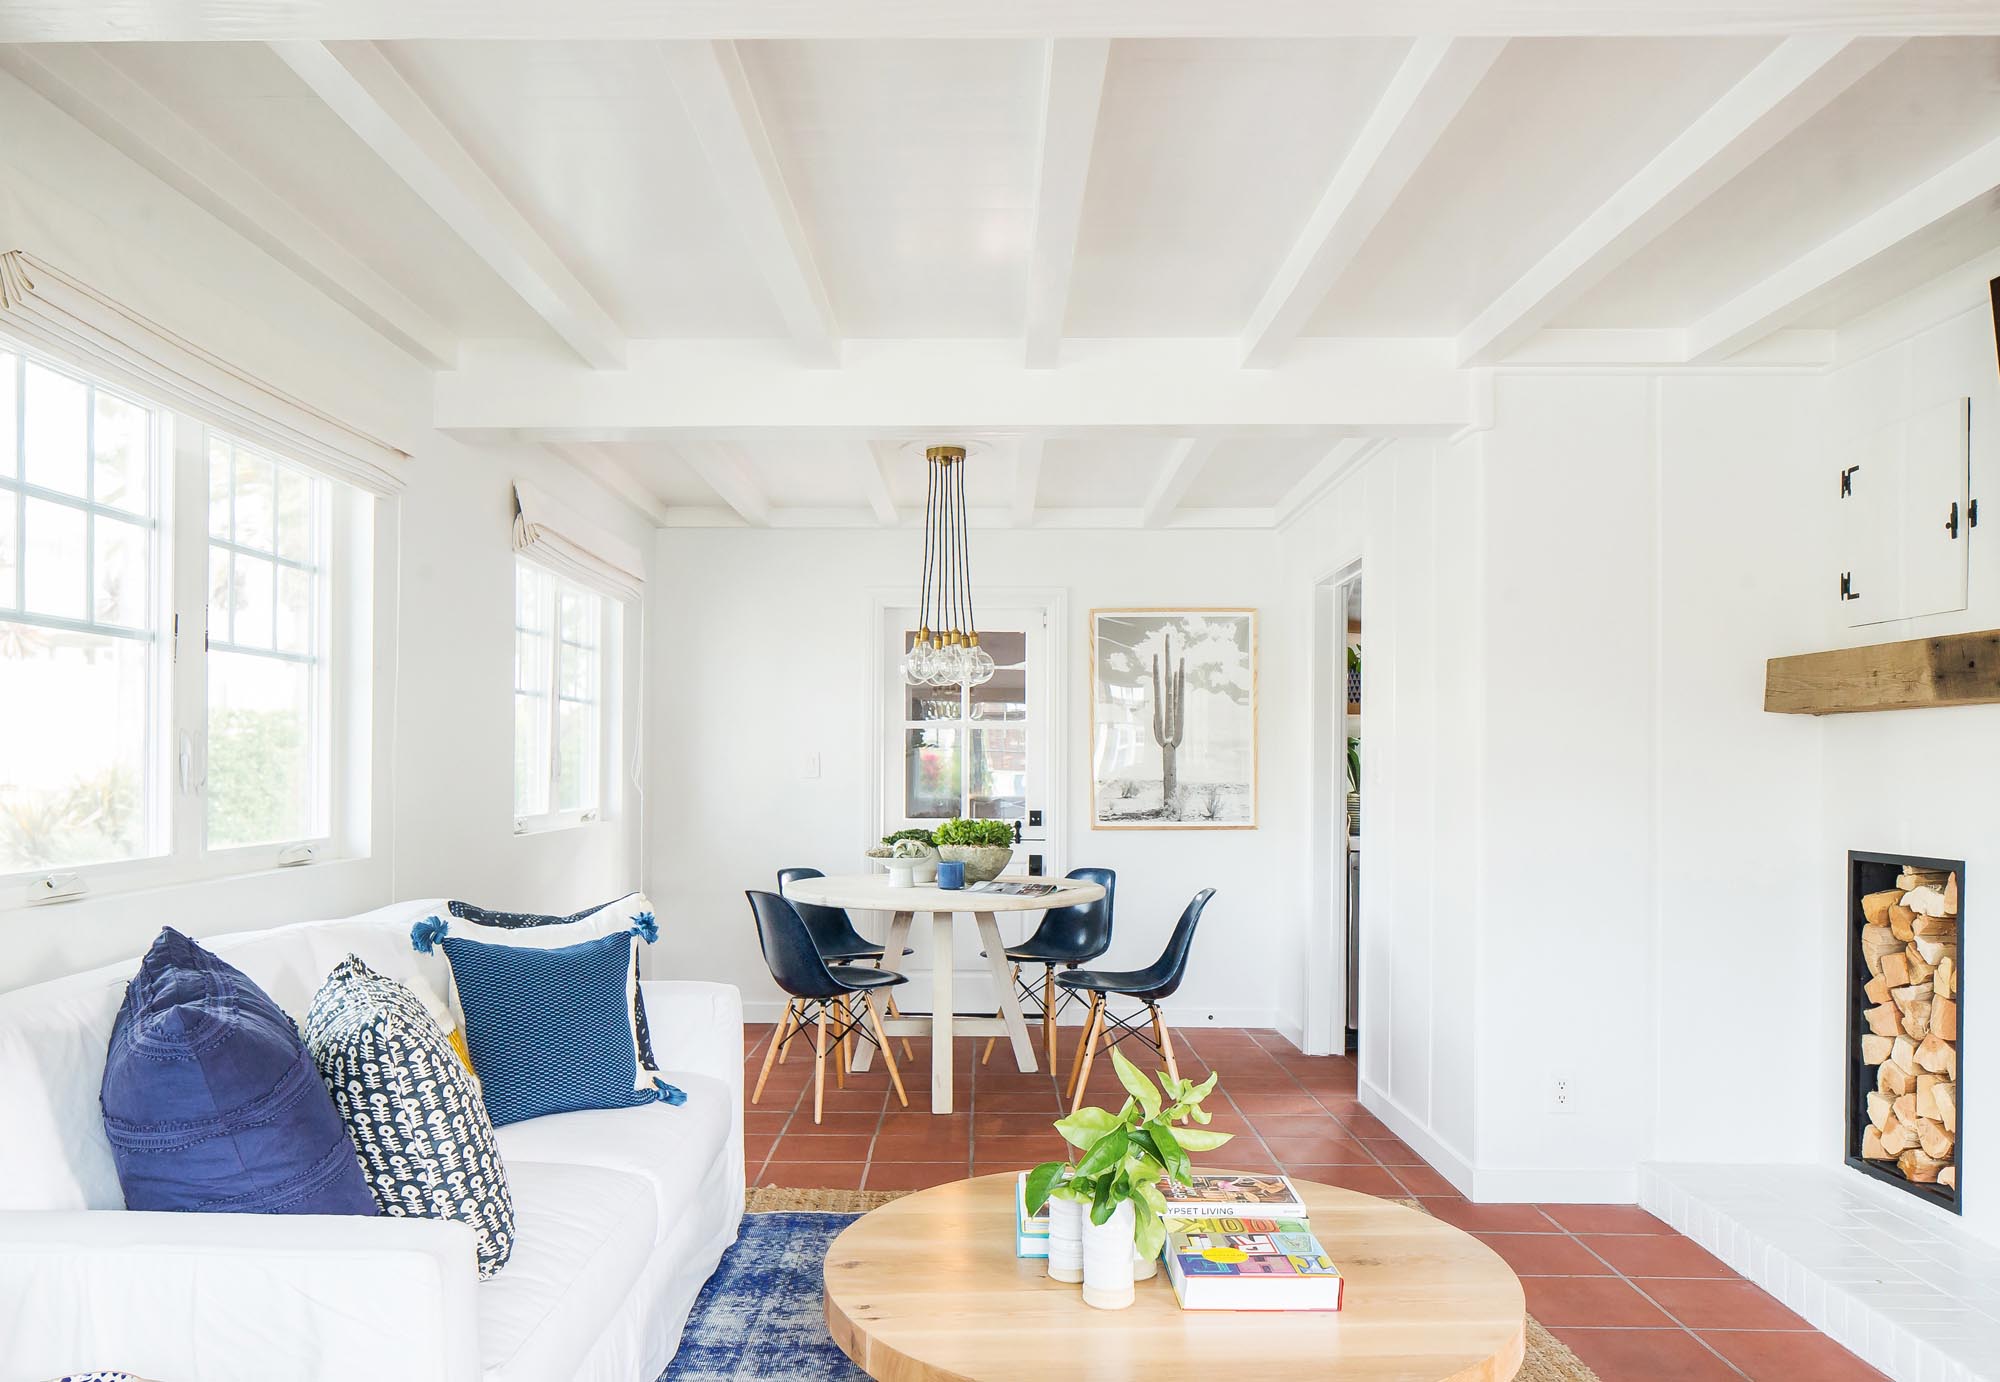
(1333, 984)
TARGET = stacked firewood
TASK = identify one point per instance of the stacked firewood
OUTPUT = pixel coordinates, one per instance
(1910, 941)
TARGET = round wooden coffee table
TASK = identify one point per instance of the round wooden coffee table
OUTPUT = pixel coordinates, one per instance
(927, 1288)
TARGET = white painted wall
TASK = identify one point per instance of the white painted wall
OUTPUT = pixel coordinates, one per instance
(760, 644)
(444, 704)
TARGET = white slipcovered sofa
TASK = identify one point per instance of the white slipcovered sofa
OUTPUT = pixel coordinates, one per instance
(622, 1213)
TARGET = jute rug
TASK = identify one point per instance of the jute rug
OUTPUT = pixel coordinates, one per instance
(1548, 1358)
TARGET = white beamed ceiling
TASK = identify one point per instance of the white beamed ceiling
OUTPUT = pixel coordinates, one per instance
(690, 251)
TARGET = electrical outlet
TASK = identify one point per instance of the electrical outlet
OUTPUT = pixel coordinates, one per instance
(1563, 1097)
(809, 766)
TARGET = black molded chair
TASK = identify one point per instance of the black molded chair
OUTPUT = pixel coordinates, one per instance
(816, 991)
(1149, 985)
(1068, 936)
(834, 936)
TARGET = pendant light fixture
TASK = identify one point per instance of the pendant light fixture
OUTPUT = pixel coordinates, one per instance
(946, 651)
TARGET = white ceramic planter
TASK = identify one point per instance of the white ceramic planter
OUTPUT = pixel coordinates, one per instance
(1108, 1260)
(1144, 1268)
(1065, 1240)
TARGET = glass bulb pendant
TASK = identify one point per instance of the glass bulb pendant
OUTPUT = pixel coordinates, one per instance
(917, 665)
(948, 667)
(978, 666)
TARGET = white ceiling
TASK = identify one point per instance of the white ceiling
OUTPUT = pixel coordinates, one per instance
(743, 276)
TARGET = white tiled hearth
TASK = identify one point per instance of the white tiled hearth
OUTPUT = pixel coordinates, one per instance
(1908, 1290)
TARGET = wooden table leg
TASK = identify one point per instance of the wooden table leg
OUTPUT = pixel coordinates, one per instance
(1003, 984)
(899, 936)
(941, 1013)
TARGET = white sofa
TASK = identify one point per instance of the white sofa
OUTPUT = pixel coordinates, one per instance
(622, 1213)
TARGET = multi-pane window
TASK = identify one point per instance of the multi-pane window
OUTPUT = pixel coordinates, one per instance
(79, 621)
(559, 659)
(965, 748)
(266, 684)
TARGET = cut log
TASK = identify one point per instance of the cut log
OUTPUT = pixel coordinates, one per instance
(1944, 1019)
(1926, 1097)
(1871, 1146)
(1933, 951)
(1893, 1080)
(1875, 1049)
(1936, 1055)
(1876, 989)
(1910, 993)
(1948, 1176)
(1945, 1096)
(1898, 1138)
(1903, 1051)
(1902, 921)
(1925, 901)
(1877, 941)
(1918, 1167)
(1896, 967)
(1920, 968)
(1934, 1140)
(1917, 1019)
(1905, 1109)
(1951, 896)
(1914, 877)
(1884, 1020)
(1935, 928)
(1875, 906)
(1879, 1108)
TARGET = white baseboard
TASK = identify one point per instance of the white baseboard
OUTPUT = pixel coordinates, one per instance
(1501, 1184)
(1444, 1159)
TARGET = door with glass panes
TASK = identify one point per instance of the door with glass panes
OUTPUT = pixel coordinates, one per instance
(979, 752)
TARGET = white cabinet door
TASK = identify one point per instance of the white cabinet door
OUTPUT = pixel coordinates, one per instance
(1904, 533)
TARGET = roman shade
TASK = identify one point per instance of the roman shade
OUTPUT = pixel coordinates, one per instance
(550, 532)
(44, 307)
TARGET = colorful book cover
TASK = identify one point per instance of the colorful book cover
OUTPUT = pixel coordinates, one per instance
(1251, 1264)
(1031, 1231)
(1230, 1194)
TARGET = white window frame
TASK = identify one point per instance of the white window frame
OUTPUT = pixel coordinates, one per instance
(177, 850)
(606, 671)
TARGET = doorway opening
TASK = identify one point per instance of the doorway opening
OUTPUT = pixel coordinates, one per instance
(1333, 984)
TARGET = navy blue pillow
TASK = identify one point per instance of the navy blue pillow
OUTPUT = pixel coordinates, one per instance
(212, 1102)
(547, 1029)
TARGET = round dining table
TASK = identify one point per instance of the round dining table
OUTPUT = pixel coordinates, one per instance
(944, 907)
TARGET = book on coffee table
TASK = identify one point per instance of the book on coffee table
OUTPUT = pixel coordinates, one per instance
(1251, 1264)
(1031, 1231)
(1232, 1195)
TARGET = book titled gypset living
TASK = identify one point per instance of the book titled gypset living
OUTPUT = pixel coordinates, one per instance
(1251, 1264)
(1013, 889)
(1031, 1231)
(1232, 1195)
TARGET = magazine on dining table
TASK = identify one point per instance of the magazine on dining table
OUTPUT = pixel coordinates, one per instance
(1013, 889)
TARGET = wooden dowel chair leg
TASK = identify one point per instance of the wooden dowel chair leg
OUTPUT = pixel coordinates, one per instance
(1166, 1042)
(841, 1015)
(777, 1037)
(819, 1068)
(1086, 1054)
(785, 1029)
(888, 1059)
(895, 1011)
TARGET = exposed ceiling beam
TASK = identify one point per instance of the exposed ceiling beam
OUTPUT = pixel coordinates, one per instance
(1775, 97)
(1027, 479)
(1429, 89)
(723, 110)
(1127, 519)
(1184, 463)
(365, 91)
(51, 21)
(92, 88)
(913, 390)
(1341, 460)
(874, 484)
(1072, 86)
(1759, 310)
(724, 470)
(614, 476)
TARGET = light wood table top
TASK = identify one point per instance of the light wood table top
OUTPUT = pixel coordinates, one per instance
(871, 892)
(927, 1288)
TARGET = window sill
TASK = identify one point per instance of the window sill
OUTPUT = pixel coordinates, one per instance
(550, 825)
(125, 881)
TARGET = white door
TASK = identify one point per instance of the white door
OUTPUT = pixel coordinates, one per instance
(980, 752)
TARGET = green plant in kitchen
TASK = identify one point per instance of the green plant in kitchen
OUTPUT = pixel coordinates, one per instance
(895, 837)
(1125, 1153)
(991, 834)
(1353, 764)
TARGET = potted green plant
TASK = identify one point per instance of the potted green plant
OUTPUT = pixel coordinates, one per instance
(1353, 785)
(1114, 1189)
(914, 851)
(984, 847)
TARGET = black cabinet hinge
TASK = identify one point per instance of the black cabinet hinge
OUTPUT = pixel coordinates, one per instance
(1847, 590)
(1951, 521)
(1847, 481)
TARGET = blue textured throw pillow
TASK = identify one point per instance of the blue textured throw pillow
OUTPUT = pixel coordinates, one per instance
(550, 1030)
(212, 1102)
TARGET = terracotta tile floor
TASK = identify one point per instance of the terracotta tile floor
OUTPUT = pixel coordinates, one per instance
(1637, 1301)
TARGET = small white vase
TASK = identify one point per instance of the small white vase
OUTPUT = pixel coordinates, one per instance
(1144, 1268)
(1065, 1240)
(1108, 1260)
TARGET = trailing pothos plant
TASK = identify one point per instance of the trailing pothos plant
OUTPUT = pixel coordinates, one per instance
(1125, 1153)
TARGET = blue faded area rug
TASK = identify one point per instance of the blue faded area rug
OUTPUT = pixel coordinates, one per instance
(762, 1316)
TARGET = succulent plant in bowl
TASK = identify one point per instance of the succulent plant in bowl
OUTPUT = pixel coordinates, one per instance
(984, 847)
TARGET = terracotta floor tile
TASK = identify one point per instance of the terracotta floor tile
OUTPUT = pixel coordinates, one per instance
(1545, 1254)
(834, 1120)
(1590, 1300)
(1369, 1180)
(1391, 1152)
(1648, 1355)
(1288, 1124)
(1320, 1151)
(1655, 1254)
(922, 1147)
(1604, 1218)
(757, 1147)
(1783, 1355)
(813, 1175)
(912, 1175)
(1491, 1218)
(1733, 1304)
(821, 1147)
(1420, 1179)
(1365, 1125)
(1254, 1102)
(765, 1120)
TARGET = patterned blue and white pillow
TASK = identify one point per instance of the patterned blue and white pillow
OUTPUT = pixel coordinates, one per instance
(536, 930)
(419, 1126)
(550, 1029)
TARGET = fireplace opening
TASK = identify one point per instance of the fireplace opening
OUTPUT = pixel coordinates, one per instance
(1906, 1006)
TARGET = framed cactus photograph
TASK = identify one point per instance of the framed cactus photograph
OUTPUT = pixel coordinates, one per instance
(1173, 696)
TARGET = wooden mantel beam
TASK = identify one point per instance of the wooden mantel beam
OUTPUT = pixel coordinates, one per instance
(1955, 669)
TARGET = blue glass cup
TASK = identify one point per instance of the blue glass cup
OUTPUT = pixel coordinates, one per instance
(951, 875)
